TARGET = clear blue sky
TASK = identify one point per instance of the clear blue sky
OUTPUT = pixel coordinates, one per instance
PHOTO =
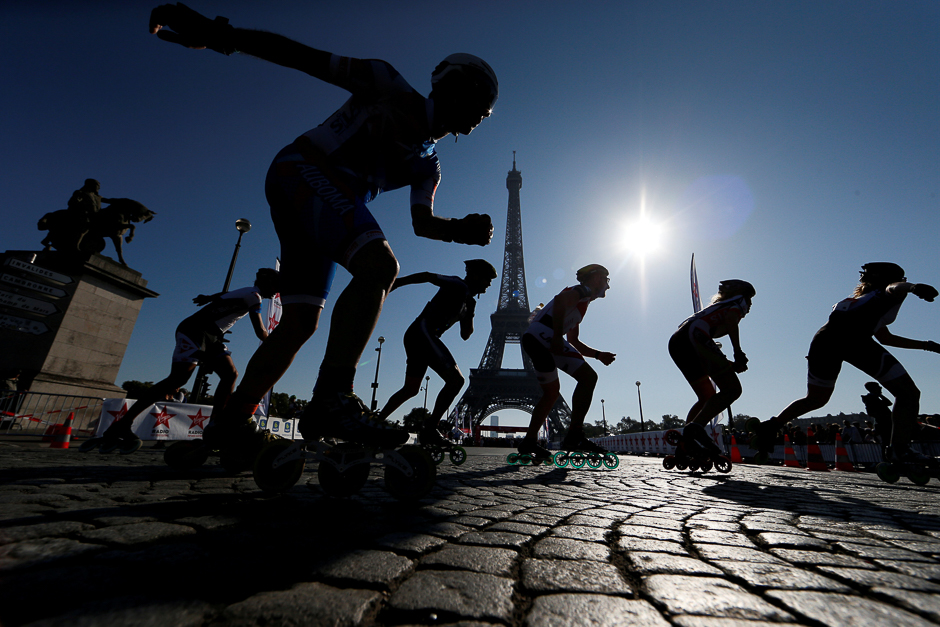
(785, 143)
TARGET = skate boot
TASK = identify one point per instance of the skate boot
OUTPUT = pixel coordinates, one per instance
(429, 436)
(530, 453)
(346, 417)
(120, 439)
(900, 460)
(581, 443)
(702, 451)
(436, 445)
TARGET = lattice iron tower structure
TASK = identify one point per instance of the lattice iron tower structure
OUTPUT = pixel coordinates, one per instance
(493, 387)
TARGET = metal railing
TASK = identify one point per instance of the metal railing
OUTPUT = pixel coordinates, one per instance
(37, 413)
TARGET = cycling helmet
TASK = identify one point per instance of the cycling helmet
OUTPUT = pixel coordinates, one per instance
(585, 272)
(268, 280)
(735, 287)
(480, 267)
(470, 73)
(881, 273)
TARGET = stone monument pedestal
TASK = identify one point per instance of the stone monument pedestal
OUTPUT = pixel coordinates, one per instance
(65, 324)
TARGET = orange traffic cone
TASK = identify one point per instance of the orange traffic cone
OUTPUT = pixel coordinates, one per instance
(842, 456)
(64, 434)
(814, 458)
(735, 453)
(789, 455)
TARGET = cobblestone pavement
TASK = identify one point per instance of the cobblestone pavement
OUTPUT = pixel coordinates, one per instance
(109, 540)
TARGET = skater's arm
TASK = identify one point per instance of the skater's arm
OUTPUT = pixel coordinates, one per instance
(586, 351)
(412, 279)
(476, 228)
(466, 322)
(740, 359)
(888, 338)
(258, 325)
(202, 299)
(920, 290)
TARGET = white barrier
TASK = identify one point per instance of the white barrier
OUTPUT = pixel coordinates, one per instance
(178, 421)
(650, 442)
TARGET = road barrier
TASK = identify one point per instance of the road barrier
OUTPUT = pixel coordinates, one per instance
(37, 413)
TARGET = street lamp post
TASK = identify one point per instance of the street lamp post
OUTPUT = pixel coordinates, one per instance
(242, 225)
(640, 398)
(378, 360)
(604, 417)
(427, 381)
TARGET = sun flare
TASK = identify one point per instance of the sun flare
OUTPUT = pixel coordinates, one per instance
(642, 236)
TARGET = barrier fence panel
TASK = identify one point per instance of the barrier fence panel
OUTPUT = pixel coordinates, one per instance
(37, 413)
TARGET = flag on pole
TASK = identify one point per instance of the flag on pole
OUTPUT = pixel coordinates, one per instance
(272, 318)
(696, 295)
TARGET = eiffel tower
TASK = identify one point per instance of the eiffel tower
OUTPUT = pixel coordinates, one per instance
(493, 387)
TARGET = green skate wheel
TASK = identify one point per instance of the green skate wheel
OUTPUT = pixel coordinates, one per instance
(669, 462)
(437, 454)
(186, 455)
(594, 461)
(548, 462)
(706, 466)
(723, 464)
(561, 459)
(887, 472)
(918, 478)
(282, 478)
(458, 455)
(577, 460)
(512, 459)
(751, 425)
(348, 482)
(611, 460)
(422, 476)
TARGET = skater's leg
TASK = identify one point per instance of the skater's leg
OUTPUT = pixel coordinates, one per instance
(453, 383)
(704, 390)
(816, 397)
(729, 390)
(272, 359)
(225, 368)
(408, 391)
(581, 398)
(906, 406)
(550, 392)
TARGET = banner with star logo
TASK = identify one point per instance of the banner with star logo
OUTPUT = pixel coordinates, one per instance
(161, 421)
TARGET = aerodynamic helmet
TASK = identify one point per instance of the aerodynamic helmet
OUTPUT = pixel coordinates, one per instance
(585, 272)
(881, 273)
(268, 280)
(480, 267)
(736, 287)
(470, 74)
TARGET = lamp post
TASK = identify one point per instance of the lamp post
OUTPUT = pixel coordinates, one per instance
(200, 385)
(604, 417)
(427, 381)
(375, 384)
(640, 398)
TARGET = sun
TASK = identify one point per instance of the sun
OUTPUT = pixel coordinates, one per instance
(642, 236)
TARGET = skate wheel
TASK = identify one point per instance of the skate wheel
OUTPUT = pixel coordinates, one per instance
(693, 465)
(282, 478)
(706, 466)
(611, 460)
(669, 462)
(90, 445)
(186, 455)
(458, 455)
(887, 472)
(423, 473)
(751, 425)
(577, 460)
(723, 464)
(548, 462)
(436, 454)
(561, 459)
(918, 479)
(681, 465)
(673, 437)
(340, 484)
(512, 459)
(594, 461)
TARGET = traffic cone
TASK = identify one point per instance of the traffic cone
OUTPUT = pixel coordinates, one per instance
(735, 453)
(842, 456)
(814, 458)
(789, 455)
(64, 435)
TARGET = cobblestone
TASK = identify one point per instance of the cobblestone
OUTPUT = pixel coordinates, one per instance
(95, 540)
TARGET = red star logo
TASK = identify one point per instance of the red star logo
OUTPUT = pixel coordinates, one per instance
(198, 420)
(272, 322)
(120, 413)
(163, 417)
